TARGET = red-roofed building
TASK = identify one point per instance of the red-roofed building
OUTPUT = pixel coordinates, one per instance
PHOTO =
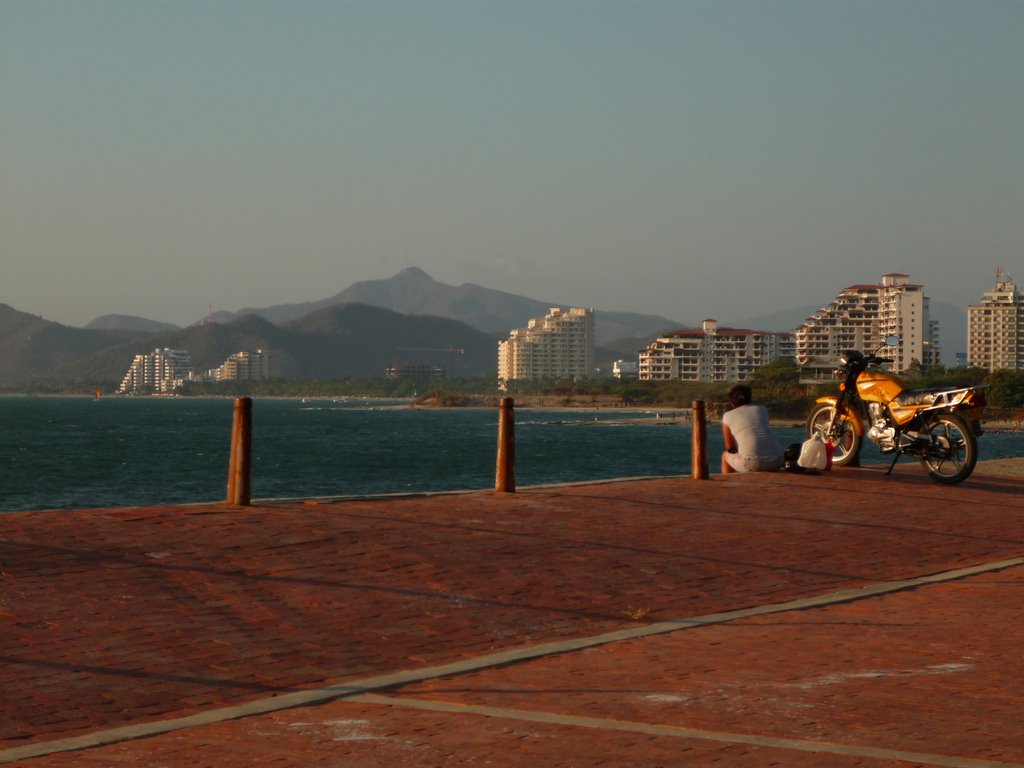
(712, 353)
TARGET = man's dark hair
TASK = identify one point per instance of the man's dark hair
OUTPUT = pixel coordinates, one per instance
(740, 395)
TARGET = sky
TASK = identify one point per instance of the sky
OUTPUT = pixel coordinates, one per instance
(694, 159)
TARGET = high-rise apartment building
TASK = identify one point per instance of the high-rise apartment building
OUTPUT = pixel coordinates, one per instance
(161, 371)
(861, 316)
(712, 353)
(995, 328)
(243, 366)
(165, 370)
(558, 345)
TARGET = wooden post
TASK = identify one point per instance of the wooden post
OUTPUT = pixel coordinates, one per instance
(699, 454)
(240, 463)
(505, 474)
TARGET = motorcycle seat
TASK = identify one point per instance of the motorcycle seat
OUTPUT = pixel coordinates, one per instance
(919, 396)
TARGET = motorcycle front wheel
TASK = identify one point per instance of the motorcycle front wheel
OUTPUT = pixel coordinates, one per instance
(952, 449)
(844, 437)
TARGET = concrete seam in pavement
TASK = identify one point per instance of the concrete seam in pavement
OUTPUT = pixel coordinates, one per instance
(316, 696)
(331, 498)
(682, 732)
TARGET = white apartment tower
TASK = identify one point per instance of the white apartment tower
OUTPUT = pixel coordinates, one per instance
(861, 316)
(244, 366)
(161, 371)
(995, 328)
(560, 344)
(712, 353)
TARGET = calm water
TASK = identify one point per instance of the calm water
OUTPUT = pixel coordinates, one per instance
(63, 453)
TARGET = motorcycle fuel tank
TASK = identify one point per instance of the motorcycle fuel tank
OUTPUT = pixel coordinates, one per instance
(878, 387)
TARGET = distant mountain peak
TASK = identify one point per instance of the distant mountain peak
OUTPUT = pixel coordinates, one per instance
(413, 292)
(414, 273)
(130, 323)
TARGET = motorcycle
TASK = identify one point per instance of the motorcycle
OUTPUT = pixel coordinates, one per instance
(939, 426)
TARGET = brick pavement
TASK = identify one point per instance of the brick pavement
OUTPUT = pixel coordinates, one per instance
(136, 616)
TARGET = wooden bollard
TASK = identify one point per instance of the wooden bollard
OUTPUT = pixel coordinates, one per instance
(240, 463)
(699, 452)
(505, 473)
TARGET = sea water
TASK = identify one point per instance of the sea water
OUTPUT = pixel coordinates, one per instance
(66, 452)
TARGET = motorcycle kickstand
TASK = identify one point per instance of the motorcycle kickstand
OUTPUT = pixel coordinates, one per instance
(893, 465)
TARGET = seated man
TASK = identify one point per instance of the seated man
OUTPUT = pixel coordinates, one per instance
(750, 445)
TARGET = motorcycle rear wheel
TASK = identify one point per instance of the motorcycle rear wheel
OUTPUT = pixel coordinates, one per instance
(952, 450)
(845, 438)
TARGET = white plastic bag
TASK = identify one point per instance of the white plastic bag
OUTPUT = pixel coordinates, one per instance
(812, 453)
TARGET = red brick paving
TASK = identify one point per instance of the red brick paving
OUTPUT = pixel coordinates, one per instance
(929, 670)
(140, 615)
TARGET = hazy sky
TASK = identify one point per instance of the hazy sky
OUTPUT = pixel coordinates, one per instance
(724, 159)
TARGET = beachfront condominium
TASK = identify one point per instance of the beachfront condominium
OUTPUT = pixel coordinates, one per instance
(861, 316)
(162, 371)
(712, 353)
(242, 366)
(558, 345)
(995, 328)
(165, 370)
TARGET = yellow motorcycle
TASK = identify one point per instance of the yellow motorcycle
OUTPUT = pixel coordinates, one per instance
(938, 425)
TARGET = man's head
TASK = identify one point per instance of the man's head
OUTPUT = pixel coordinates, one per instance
(740, 395)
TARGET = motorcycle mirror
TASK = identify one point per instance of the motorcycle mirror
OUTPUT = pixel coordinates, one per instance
(892, 341)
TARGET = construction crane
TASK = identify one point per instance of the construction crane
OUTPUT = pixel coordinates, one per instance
(452, 351)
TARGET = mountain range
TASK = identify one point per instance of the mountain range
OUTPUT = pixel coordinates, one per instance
(408, 318)
(413, 292)
(359, 331)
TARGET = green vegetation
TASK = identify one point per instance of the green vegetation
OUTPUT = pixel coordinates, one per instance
(1006, 389)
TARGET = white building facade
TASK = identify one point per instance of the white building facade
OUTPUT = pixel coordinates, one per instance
(995, 328)
(861, 316)
(165, 370)
(712, 353)
(162, 371)
(243, 366)
(558, 345)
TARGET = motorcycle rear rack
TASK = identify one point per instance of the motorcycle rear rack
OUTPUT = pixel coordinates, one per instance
(940, 399)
